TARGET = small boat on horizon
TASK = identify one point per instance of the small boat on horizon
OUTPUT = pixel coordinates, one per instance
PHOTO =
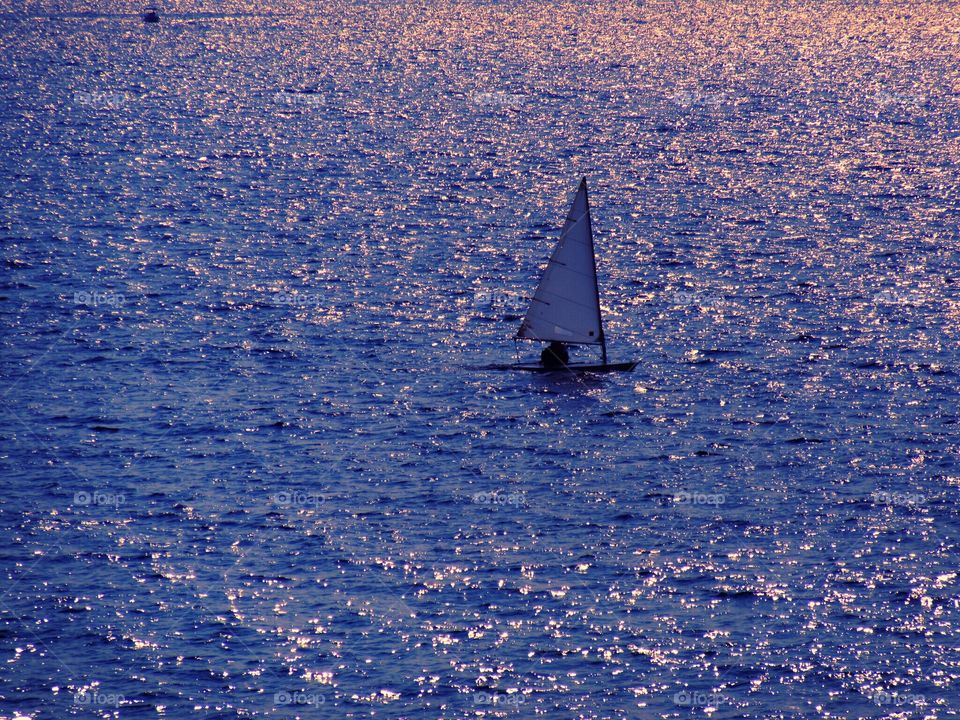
(566, 306)
(150, 15)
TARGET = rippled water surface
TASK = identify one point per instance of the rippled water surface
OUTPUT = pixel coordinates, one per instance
(258, 256)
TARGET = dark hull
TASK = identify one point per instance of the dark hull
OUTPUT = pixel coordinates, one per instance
(574, 367)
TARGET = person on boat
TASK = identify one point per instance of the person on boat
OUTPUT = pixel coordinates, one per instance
(555, 355)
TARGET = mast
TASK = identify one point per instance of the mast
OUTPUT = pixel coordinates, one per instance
(593, 259)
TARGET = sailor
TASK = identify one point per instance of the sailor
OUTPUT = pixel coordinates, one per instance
(555, 355)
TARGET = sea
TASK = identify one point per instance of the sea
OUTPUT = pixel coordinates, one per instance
(260, 259)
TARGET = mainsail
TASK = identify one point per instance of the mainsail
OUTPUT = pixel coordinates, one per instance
(566, 306)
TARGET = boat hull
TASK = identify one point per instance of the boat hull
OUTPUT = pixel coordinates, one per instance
(573, 367)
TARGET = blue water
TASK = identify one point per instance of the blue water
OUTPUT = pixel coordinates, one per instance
(256, 257)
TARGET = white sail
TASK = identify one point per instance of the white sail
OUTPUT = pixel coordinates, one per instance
(566, 306)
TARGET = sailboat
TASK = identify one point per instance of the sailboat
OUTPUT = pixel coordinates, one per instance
(566, 305)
